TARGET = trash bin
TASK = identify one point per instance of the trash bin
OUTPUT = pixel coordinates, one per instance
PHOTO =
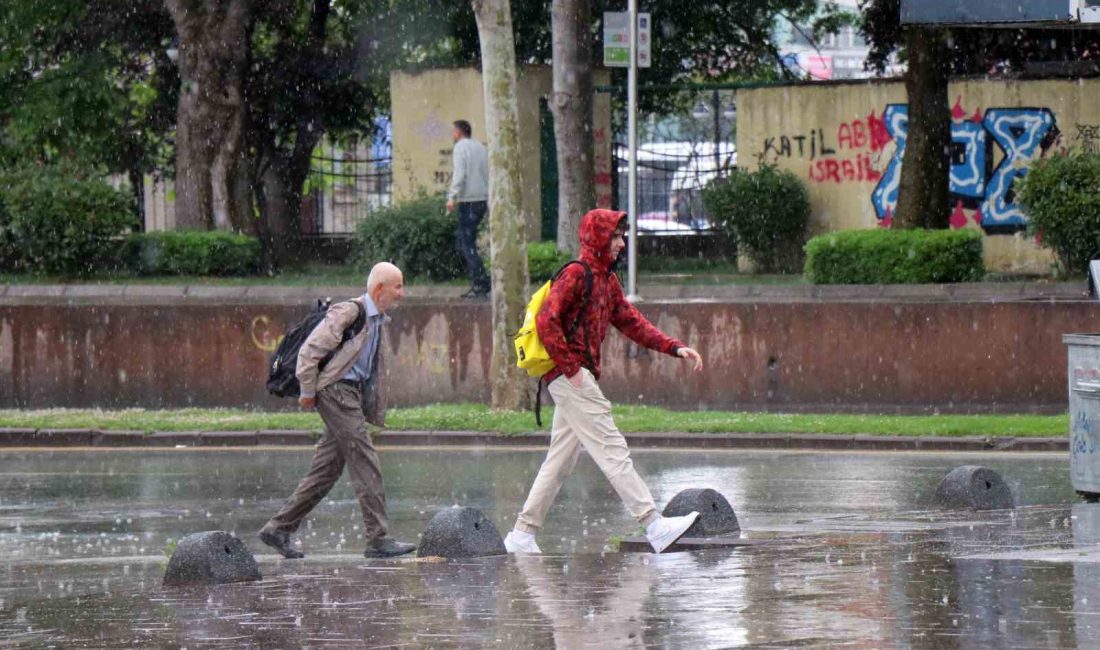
(1084, 411)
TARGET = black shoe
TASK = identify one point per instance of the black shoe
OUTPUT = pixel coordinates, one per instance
(387, 547)
(280, 542)
(476, 292)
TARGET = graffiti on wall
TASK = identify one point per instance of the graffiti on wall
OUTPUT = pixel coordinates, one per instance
(1088, 138)
(1021, 135)
(989, 152)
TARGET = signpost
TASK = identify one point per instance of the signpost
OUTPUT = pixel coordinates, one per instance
(626, 43)
(616, 39)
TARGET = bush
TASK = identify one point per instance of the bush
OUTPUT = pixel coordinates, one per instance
(766, 212)
(193, 253)
(544, 260)
(895, 257)
(1061, 194)
(418, 236)
(53, 221)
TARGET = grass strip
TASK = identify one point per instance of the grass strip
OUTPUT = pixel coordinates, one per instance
(477, 417)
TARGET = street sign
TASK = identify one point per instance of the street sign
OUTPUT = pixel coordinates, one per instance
(616, 39)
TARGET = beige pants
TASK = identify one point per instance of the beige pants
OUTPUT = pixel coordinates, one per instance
(345, 443)
(582, 417)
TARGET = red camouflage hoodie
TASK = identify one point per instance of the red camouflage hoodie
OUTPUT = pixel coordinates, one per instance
(607, 305)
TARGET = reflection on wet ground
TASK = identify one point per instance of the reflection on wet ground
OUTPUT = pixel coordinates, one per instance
(853, 556)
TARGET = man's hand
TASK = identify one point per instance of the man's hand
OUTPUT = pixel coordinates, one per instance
(689, 353)
(307, 403)
(577, 379)
(450, 205)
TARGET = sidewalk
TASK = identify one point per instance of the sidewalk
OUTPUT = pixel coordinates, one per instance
(57, 438)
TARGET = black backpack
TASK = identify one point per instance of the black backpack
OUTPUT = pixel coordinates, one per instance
(282, 380)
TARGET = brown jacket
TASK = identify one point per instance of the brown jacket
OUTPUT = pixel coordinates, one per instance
(325, 338)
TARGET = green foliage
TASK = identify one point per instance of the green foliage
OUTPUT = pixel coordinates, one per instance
(1061, 194)
(193, 253)
(895, 257)
(86, 81)
(544, 260)
(52, 220)
(742, 36)
(766, 212)
(418, 236)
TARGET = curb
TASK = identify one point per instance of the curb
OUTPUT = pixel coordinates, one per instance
(53, 438)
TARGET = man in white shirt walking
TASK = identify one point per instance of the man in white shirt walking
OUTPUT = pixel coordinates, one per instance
(469, 192)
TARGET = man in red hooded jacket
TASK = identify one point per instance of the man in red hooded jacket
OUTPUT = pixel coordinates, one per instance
(582, 415)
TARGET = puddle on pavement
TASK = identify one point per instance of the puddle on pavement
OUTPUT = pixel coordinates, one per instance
(854, 558)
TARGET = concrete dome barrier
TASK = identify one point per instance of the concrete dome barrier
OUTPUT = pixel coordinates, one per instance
(972, 487)
(716, 515)
(460, 532)
(210, 558)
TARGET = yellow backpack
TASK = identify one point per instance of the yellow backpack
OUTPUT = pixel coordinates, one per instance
(530, 353)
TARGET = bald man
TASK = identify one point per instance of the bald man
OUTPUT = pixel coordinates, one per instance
(336, 389)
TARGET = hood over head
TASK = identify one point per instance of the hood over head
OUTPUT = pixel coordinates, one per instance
(596, 230)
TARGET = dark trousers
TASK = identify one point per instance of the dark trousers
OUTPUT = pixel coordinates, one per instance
(469, 218)
(345, 443)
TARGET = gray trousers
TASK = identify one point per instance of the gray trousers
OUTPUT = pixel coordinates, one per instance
(346, 442)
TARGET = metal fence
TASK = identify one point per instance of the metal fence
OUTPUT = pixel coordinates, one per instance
(678, 154)
(344, 186)
(671, 178)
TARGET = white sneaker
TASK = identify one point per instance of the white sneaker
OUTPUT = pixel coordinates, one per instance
(518, 541)
(664, 532)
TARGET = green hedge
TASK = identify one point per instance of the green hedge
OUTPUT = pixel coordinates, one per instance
(193, 253)
(1061, 195)
(54, 220)
(418, 236)
(895, 257)
(544, 260)
(765, 211)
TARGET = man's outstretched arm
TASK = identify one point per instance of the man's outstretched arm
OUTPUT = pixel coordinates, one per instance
(628, 320)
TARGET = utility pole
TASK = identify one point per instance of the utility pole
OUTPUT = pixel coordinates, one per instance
(632, 153)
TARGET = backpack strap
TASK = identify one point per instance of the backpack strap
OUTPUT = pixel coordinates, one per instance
(350, 332)
(572, 331)
(580, 312)
(358, 324)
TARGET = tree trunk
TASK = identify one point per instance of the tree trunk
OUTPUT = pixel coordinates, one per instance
(280, 169)
(571, 103)
(923, 189)
(241, 214)
(507, 218)
(227, 159)
(214, 37)
(280, 205)
(281, 179)
(137, 187)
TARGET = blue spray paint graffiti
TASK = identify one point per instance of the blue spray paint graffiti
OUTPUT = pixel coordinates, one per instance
(1022, 134)
(1079, 446)
(968, 160)
(885, 196)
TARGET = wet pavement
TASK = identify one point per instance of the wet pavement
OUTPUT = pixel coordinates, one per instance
(853, 557)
